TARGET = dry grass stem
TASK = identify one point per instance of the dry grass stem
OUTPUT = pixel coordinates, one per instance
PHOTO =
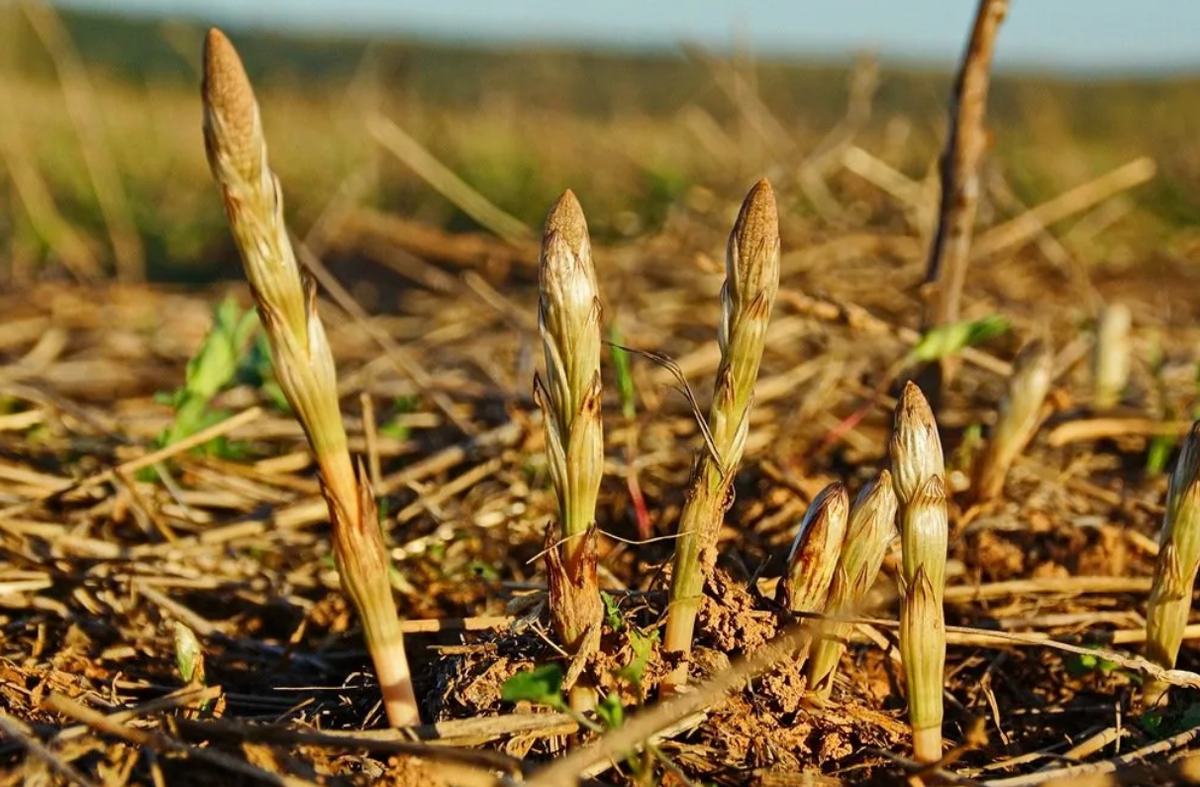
(751, 282)
(966, 141)
(286, 300)
(1176, 566)
(1017, 421)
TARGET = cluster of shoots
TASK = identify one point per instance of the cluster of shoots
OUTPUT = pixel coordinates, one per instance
(751, 283)
(919, 477)
(1017, 420)
(569, 321)
(870, 530)
(287, 307)
(1176, 566)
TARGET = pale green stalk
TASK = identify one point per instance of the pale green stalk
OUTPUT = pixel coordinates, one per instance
(286, 299)
(751, 282)
(1176, 567)
(922, 631)
(1111, 356)
(1019, 414)
(918, 474)
(813, 558)
(569, 320)
(871, 529)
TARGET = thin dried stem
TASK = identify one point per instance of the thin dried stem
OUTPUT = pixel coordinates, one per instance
(966, 141)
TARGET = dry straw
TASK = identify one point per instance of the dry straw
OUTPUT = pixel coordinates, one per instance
(918, 473)
(1018, 419)
(751, 282)
(569, 320)
(286, 299)
(1175, 570)
(871, 529)
(814, 555)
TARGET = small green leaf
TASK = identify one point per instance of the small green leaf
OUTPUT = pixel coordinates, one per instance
(189, 656)
(1158, 454)
(612, 612)
(642, 645)
(947, 340)
(611, 711)
(624, 369)
(541, 685)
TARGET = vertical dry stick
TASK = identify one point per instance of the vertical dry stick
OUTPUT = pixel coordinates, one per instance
(97, 156)
(919, 475)
(286, 298)
(872, 527)
(1018, 419)
(569, 321)
(751, 282)
(814, 555)
(949, 254)
(1176, 567)
(35, 195)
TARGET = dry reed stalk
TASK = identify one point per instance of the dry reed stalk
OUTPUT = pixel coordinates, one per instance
(752, 280)
(286, 300)
(79, 97)
(966, 141)
(815, 551)
(1018, 419)
(569, 322)
(1176, 566)
(1111, 356)
(918, 473)
(871, 528)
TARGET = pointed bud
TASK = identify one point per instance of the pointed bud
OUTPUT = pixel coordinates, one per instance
(916, 447)
(815, 551)
(231, 122)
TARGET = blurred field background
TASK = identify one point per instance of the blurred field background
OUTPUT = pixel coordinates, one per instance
(637, 135)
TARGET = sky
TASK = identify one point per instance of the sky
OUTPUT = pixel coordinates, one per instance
(1071, 35)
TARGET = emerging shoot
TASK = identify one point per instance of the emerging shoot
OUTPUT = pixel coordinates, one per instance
(287, 306)
(751, 282)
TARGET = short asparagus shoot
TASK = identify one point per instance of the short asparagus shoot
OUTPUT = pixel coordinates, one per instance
(569, 321)
(1176, 566)
(919, 476)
